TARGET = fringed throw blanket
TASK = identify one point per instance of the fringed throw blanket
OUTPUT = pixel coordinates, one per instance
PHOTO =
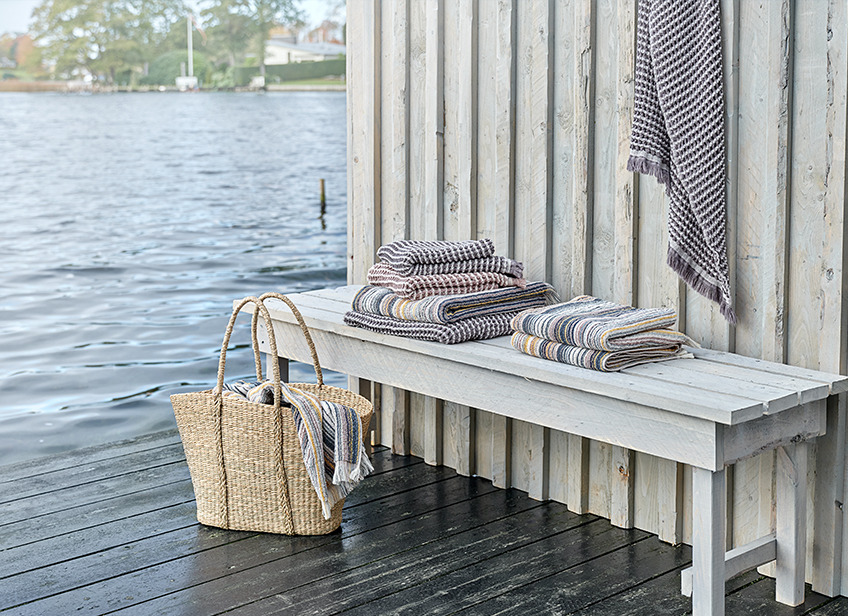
(604, 361)
(447, 309)
(471, 328)
(419, 287)
(678, 135)
(593, 323)
(405, 255)
(330, 436)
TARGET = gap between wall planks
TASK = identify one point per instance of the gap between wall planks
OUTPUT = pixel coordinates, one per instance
(511, 120)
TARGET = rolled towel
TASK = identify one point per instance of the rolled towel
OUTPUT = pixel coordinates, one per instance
(403, 255)
(472, 328)
(447, 309)
(419, 287)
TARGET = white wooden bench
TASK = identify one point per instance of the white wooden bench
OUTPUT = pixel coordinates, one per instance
(707, 412)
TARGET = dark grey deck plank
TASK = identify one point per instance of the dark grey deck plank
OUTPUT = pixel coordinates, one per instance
(79, 517)
(84, 456)
(68, 521)
(837, 606)
(67, 498)
(149, 567)
(758, 598)
(554, 576)
(109, 530)
(40, 488)
(449, 514)
(410, 579)
(658, 596)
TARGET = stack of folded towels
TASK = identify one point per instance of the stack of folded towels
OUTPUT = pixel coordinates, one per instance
(444, 291)
(597, 334)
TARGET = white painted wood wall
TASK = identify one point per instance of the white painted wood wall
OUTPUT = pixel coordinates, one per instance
(510, 119)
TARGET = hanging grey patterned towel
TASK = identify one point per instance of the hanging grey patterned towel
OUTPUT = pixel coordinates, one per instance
(678, 135)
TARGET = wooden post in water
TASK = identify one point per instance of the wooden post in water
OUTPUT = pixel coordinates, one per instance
(323, 205)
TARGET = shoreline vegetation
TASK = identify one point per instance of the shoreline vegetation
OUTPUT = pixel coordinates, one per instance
(307, 85)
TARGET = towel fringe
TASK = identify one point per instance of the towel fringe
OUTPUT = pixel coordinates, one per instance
(691, 277)
(644, 166)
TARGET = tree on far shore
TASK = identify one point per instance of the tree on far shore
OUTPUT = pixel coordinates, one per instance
(229, 29)
(102, 37)
(266, 15)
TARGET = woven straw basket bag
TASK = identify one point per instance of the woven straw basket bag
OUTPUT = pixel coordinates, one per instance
(245, 458)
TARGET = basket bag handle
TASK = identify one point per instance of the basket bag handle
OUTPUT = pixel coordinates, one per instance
(255, 321)
(279, 467)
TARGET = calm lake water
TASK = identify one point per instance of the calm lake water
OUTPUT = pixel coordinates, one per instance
(128, 225)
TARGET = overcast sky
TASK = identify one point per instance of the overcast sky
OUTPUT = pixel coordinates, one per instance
(15, 14)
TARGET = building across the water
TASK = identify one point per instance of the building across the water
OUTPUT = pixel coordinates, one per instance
(286, 50)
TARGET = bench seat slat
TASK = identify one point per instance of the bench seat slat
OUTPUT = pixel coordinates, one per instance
(807, 390)
(836, 383)
(774, 399)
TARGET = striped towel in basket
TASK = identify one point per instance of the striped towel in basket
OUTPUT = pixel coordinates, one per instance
(446, 309)
(330, 436)
(419, 287)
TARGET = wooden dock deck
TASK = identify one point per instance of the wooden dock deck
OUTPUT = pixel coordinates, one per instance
(111, 529)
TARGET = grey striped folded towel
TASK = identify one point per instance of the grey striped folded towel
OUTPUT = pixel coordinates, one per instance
(446, 309)
(471, 328)
(498, 265)
(593, 323)
(404, 255)
(593, 359)
(419, 287)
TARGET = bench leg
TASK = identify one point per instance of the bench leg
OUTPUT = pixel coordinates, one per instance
(284, 367)
(709, 505)
(791, 522)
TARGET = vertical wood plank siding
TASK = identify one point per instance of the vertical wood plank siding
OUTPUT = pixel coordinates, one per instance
(510, 119)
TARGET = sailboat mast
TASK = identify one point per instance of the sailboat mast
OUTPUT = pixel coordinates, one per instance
(190, 50)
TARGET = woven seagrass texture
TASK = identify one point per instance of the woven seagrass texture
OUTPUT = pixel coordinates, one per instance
(245, 459)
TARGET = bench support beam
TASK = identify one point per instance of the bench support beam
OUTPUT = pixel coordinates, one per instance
(738, 560)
